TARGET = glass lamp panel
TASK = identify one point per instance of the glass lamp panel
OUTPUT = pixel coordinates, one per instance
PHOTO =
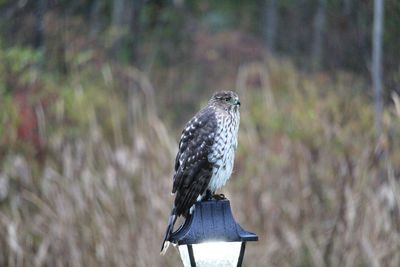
(222, 254)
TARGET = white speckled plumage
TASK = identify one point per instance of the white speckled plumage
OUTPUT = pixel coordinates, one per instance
(224, 147)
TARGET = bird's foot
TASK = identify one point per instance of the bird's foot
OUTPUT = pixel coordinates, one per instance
(208, 195)
(219, 197)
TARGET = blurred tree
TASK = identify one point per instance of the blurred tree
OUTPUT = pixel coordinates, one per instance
(319, 29)
(120, 21)
(96, 19)
(377, 63)
(39, 28)
(125, 28)
(269, 21)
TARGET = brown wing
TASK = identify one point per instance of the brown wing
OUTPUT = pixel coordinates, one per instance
(192, 168)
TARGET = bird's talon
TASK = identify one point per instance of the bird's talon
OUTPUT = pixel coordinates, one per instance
(219, 196)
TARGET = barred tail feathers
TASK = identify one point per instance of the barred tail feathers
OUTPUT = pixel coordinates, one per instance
(168, 232)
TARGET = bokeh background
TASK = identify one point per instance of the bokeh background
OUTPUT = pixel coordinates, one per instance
(94, 94)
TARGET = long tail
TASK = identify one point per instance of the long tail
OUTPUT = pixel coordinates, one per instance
(168, 232)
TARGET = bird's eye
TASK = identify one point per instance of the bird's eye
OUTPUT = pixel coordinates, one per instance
(227, 99)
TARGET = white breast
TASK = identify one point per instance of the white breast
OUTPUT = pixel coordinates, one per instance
(224, 148)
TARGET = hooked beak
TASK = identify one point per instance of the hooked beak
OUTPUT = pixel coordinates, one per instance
(237, 102)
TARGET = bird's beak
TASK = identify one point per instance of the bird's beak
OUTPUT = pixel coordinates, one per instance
(237, 103)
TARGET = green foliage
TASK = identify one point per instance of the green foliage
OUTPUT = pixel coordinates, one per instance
(18, 62)
(19, 58)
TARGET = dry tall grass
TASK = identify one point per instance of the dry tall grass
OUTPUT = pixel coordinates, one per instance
(309, 178)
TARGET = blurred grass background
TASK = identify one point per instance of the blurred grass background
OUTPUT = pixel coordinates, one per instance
(94, 94)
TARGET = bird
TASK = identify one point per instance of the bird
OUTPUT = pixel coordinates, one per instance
(205, 157)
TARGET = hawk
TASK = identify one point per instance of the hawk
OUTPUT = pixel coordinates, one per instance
(204, 161)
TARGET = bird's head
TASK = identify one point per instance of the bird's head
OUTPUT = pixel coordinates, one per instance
(226, 100)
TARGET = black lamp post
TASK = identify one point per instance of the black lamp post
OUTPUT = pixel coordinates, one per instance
(211, 236)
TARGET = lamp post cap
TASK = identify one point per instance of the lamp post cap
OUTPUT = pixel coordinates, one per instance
(211, 220)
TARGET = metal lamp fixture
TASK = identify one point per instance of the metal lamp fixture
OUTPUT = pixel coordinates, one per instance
(211, 236)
